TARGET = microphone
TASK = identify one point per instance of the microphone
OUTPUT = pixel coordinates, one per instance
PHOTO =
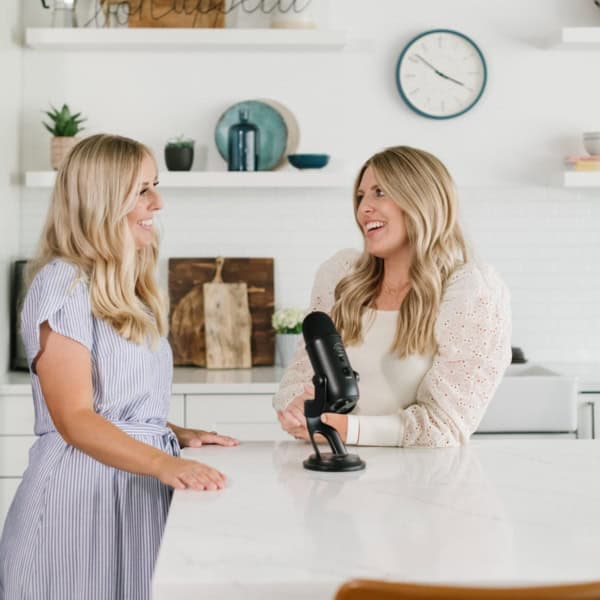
(336, 390)
(329, 359)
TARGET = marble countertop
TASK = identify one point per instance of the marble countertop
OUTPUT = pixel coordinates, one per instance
(258, 380)
(495, 512)
(265, 380)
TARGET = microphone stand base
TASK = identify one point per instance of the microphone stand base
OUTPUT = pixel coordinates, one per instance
(327, 461)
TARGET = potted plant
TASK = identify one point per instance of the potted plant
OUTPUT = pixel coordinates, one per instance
(287, 323)
(179, 154)
(64, 128)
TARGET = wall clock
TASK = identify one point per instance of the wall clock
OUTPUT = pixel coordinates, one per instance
(441, 74)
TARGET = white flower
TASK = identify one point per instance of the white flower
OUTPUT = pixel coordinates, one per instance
(288, 320)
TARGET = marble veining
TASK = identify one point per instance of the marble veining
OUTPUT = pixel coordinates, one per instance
(495, 512)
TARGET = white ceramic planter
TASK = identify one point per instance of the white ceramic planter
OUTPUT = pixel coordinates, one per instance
(285, 347)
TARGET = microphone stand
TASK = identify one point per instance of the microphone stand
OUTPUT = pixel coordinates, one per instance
(338, 459)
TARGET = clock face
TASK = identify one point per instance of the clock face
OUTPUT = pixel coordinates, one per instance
(441, 74)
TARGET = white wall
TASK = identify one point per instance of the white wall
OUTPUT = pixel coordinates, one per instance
(10, 115)
(506, 154)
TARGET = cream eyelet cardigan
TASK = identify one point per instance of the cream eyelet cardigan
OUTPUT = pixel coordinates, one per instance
(472, 331)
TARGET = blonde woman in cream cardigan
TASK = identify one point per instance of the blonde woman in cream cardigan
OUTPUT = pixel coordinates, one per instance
(426, 326)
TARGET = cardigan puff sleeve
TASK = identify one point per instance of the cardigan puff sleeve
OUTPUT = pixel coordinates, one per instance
(300, 372)
(473, 332)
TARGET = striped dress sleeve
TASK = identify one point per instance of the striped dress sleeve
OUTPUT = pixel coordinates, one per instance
(60, 296)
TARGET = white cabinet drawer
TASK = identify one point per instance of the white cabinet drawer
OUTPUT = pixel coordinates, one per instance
(16, 415)
(247, 417)
(177, 410)
(8, 487)
(14, 454)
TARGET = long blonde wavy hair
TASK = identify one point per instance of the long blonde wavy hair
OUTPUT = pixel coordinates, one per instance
(422, 187)
(96, 186)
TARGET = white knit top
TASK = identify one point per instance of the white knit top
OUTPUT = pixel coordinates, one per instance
(387, 382)
(419, 400)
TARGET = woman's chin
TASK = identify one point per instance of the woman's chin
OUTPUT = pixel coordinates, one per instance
(376, 250)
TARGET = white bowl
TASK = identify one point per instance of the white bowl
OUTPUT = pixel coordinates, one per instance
(592, 146)
(591, 142)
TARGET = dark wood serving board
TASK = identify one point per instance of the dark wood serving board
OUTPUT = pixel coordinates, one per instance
(187, 333)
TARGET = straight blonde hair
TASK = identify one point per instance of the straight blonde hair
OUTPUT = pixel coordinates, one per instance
(96, 186)
(422, 187)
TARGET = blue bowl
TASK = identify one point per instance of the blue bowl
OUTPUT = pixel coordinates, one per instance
(308, 161)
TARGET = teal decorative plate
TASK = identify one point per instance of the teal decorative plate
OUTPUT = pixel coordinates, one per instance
(273, 134)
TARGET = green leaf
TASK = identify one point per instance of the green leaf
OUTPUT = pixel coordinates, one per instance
(65, 123)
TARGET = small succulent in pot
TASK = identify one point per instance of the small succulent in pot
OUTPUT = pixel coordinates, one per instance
(179, 154)
(64, 128)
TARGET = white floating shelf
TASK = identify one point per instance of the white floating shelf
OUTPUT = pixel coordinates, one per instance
(102, 39)
(581, 179)
(225, 179)
(579, 38)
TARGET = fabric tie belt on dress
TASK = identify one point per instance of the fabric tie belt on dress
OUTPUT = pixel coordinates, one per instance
(138, 428)
(133, 428)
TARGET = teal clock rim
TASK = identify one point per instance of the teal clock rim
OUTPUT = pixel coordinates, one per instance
(410, 104)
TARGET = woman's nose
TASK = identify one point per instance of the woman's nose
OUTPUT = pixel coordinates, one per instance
(365, 208)
(157, 203)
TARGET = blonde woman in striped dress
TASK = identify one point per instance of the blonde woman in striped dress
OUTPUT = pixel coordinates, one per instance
(426, 325)
(87, 519)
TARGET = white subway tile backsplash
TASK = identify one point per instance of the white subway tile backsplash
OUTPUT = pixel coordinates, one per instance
(544, 242)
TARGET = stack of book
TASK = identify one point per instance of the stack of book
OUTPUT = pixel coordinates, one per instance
(583, 163)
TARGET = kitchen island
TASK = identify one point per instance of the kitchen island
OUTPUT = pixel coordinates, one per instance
(493, 512)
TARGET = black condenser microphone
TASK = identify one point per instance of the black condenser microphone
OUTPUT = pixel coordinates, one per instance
(329, 360)
(336, 390)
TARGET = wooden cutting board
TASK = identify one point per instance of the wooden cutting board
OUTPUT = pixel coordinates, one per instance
(227, 323)
(186, 279)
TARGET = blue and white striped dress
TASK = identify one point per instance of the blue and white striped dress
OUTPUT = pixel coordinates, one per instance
(78, 529)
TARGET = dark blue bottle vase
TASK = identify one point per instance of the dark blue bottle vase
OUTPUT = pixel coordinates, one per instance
(243, 143)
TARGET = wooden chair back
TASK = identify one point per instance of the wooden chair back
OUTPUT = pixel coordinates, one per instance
(365, 589)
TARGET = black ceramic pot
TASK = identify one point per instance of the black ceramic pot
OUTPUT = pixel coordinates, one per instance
(179, 158)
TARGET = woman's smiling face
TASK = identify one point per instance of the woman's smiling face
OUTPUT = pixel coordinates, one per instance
(382, 221)
(141, 218)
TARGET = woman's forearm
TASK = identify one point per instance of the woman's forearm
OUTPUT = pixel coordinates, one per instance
(94, 435)
(419, 424)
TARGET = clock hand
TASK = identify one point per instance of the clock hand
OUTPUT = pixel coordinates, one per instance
(450, 78)
(428, 64)
(443, 75)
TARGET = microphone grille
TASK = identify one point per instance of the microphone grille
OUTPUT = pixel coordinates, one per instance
(317, 324)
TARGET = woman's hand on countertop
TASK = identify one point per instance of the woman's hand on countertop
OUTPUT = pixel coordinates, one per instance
(194, 438)
(181, 473)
